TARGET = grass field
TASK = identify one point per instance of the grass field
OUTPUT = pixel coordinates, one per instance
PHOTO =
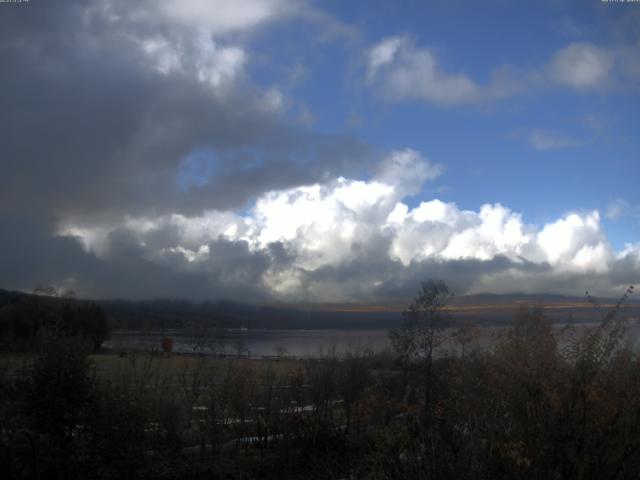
(108, 365)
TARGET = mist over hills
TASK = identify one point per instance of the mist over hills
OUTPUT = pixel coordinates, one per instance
(485, 309)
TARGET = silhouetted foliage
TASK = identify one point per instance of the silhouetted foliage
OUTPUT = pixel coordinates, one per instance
(421, 333)
(58, 393)
(26, 319)
(541, 403)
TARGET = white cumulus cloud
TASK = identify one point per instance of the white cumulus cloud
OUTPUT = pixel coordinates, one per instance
(349, 238)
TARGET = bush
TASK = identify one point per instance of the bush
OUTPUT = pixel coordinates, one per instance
(58, 396)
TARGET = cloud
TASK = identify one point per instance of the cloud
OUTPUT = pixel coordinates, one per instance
(582, 66)
(143, 112)
(111, 109)
(357, 240)
(400, 70)
(407, 171)
(575, 242)
(616, 208)
(383, 54)
(211, 64)
(619, 208)
(223, 17)
(541, 139)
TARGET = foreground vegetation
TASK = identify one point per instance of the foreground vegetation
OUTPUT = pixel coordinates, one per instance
(528, 409)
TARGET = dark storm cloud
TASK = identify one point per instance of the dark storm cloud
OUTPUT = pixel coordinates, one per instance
(30, 256)
(91, 129)
(395, 281)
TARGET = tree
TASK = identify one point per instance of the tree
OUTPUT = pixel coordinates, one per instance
(96, 325)
(421, 331)
(86, 321)
(353, 379)
(205, 334)
(467, 333)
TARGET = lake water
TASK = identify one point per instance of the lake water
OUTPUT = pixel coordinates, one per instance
(259, 343)
(306, 343)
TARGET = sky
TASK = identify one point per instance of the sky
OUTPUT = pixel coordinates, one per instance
(307, 151)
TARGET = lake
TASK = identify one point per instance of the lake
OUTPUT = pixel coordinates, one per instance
(259, 343)
(308, 343)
